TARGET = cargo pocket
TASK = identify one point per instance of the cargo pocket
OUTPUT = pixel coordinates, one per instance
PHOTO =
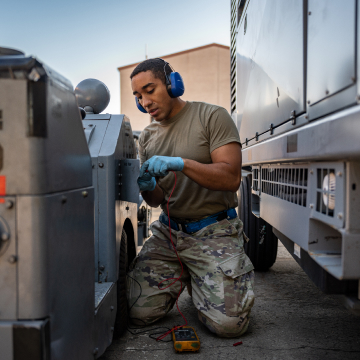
(238, 283)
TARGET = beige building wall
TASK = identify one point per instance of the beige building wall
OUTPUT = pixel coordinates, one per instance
(206, 74)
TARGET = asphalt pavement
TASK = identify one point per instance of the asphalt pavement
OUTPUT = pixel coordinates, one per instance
(291, 319)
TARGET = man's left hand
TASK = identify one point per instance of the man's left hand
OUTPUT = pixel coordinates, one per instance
(161, 165)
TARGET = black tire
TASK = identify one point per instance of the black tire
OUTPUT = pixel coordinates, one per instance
(263, 256)
(121, 321)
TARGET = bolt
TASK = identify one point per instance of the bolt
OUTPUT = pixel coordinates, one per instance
(340, 216)
(85, 194)
(96, 350)
(101, 165)
(311, 171)
(327, 92)
(102, 267)
(311, 206)
(112, 308)
(63, 199)
(308, 101)
(12, 259)
(309, 12)
(5, 236)
(306, 117)
(9, 204)
(339, 173)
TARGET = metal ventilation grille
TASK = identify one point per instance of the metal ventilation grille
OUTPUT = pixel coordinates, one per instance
(255, 179)
(289, 184)
(233, 26)
(325, 191)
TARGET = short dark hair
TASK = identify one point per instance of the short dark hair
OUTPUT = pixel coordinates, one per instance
(154, 65)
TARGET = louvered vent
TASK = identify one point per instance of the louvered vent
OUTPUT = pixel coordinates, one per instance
(289, 184)
(233, 27)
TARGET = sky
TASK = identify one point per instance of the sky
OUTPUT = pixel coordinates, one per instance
(91, 39)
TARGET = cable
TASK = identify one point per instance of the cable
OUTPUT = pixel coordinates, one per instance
(175, 279)
(169, 331)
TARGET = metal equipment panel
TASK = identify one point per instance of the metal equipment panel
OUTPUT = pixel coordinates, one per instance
(105, 315)
(98, 128)
(6, 340)
(56, 260)
(46, 128)
(334, 137)
(129, 191)
(8, 259)
(269, 87)
(331, 49)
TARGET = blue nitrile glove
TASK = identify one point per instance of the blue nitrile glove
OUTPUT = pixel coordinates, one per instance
(161, 165)
(145, 181)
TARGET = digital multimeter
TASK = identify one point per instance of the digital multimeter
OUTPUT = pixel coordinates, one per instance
(185, 339)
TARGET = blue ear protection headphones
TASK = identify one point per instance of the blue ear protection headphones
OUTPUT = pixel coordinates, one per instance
(174, 85)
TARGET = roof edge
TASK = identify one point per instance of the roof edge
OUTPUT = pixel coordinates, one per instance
(179, 53)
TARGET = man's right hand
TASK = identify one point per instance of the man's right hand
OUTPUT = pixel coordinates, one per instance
(146, 182)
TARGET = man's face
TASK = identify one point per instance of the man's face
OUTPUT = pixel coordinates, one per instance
(152, 95)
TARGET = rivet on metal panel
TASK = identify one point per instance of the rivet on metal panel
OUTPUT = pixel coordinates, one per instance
(327, 92)
(306, 117)
(12, 259)
(308, 101)
(96, 350)
(63, 199)
(85, 194)
(112, 308)
(340, 216)
(5, 236)
(309, 12)
(102, 267)
(311, 206)
(101, 165)
(9, 204)
(339, 173)
(311, 171)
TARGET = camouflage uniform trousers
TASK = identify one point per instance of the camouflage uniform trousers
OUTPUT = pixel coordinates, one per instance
(221, 275)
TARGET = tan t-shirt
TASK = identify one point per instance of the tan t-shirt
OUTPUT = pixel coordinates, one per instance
(194, 133)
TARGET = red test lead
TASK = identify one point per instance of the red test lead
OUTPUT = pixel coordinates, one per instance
(238, 343)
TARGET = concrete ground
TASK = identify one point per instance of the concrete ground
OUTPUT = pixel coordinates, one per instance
(291, 319)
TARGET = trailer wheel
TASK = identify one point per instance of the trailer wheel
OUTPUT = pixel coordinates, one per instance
(121, 321)
(263, 255)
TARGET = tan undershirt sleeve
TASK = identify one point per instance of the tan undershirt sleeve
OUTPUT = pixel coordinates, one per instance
(222, 129)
